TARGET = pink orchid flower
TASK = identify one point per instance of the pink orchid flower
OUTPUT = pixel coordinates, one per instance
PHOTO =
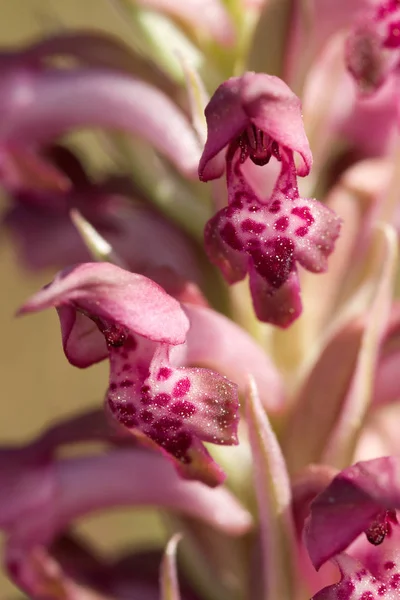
(257, 117)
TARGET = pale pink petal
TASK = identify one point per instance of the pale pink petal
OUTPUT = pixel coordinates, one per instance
(254, 99)
(117, 296)
(38, 106)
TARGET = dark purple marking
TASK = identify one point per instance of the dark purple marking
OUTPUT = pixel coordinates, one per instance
(277, 262)
(304, 213)
(393, 35)
(275, 207)
(113, 386)
(127, 383)
(161, 399)
(181, 387)
(389, 565)
(367, 595)
(125, 413)
(346, 589)
(252, 226)
(395, 581)
(230, 237)
(382, 589)
(281, 224)
(164, 373)
(301, 231)
(183, 409)
(146, 416)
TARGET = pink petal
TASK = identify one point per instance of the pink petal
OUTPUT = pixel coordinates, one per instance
(39, 106)
(133, 301)
(262, 100)
(217, 342)
(267, 238)
(174, 408)
(350, 504)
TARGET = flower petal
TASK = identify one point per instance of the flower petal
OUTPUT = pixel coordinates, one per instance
(348, 506)
(39, 106)
(259, 99)
(117, 296)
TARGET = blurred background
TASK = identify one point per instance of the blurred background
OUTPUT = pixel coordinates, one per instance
(37, 383)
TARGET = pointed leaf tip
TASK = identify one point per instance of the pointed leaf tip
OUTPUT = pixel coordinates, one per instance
(274, 500)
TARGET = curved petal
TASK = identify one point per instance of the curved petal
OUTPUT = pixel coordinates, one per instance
(349, 505)
(107, 291)
(38, 106)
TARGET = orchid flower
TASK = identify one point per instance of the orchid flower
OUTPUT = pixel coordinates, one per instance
(260, 420)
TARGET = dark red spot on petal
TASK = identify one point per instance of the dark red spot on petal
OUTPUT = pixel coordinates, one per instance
(161, 399)
(382, 589)
(252, 226)
(164, 373)
(301, 231)
(146, 416)
(275, 207)
(126, 383)
(183, 409)
(181, 387)
(276, 263)
(230, 237)
(304, 213)
(281, 224)
(389, 565)
(395, 581)
(345, 590)
(367, 595)
(125, 413)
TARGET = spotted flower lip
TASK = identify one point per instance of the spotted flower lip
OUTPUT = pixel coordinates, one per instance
(106, 311)
(359, 499)
(260, 106)
(267, 238)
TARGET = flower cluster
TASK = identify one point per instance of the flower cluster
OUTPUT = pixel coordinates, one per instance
(262, 422)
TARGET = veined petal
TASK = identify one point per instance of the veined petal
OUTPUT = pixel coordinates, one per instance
(116, 296)
(38, 106)
(350, 505)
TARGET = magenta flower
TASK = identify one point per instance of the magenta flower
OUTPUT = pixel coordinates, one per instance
(258, 117)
